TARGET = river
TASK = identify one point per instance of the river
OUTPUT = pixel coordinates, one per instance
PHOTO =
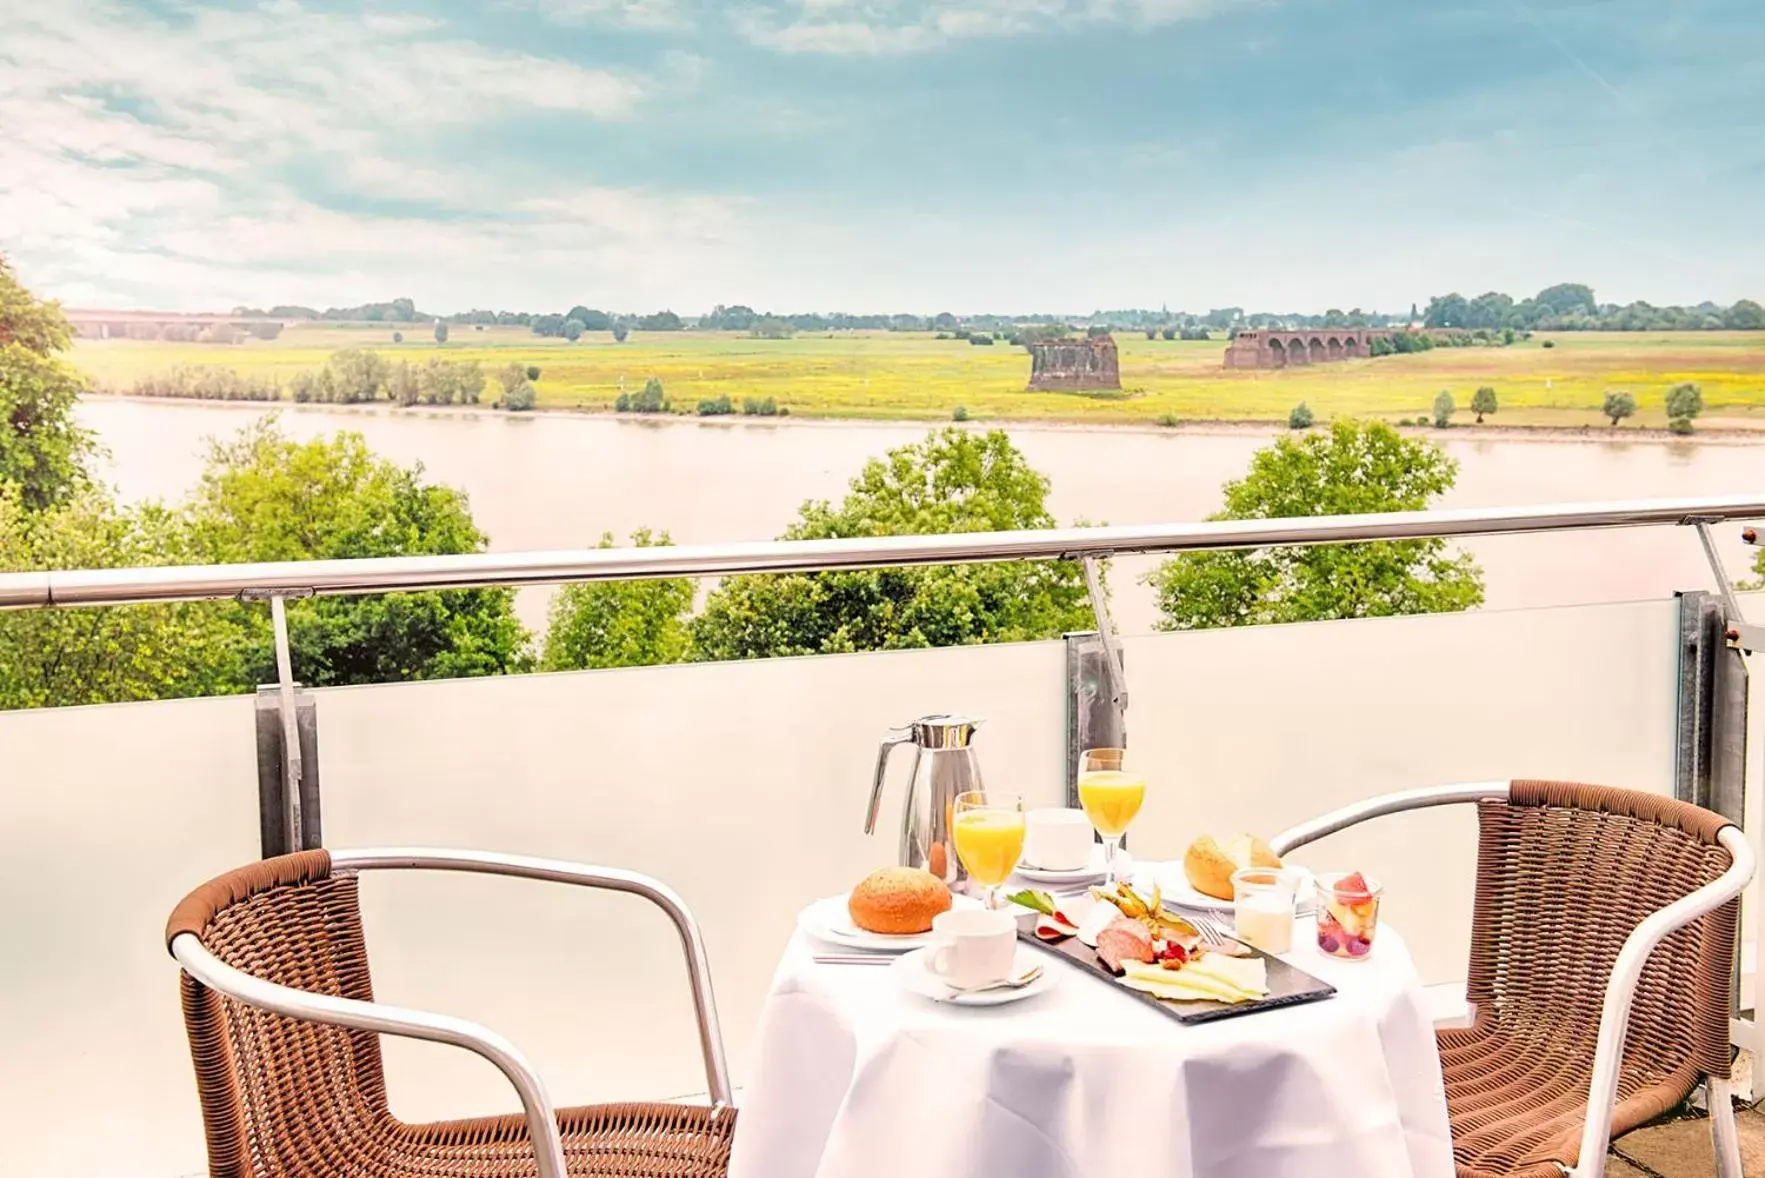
(558, 480)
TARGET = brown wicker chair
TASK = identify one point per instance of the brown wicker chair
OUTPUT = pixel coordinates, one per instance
(284, 1032)
(1602, 947)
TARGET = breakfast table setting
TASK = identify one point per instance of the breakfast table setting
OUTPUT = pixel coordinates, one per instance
(1018, 998)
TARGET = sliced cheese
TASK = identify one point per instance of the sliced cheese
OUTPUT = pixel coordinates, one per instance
(1174, 990)
(1249, 974)
(1240, 981)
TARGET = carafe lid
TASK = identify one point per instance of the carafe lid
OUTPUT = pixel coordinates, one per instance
(944, 731)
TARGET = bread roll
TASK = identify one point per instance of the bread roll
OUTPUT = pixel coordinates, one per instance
(1209, 865)
(898, 900)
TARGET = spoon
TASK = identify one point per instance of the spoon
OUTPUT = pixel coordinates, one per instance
(1017, 983)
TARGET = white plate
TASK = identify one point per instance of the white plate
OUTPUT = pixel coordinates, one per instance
(914, 975)
(1174, 885)
(828, 920)
(1087, 874)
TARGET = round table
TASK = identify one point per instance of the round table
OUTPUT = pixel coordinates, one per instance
(857, 1078)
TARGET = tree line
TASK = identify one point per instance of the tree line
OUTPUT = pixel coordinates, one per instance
(1568, 306)
(348, 377)
(1571, 306)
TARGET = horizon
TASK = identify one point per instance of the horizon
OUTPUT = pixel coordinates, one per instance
(183, 155)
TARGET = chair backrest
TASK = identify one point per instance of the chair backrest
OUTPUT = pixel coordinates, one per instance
(1565, 873)
(277, 1092)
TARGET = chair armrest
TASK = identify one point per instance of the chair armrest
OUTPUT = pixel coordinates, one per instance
(1295, 837)
(542, 1119)
(582, 875)
(1621, 991)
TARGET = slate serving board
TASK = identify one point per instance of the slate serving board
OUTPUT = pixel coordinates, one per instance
(1288, 986)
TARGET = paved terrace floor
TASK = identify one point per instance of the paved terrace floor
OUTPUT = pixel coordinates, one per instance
(1679, 1147)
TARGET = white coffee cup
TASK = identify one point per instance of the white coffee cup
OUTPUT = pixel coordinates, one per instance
(1057, 840)
(972, 946)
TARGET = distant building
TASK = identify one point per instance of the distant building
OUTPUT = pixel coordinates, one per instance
(1073, 365)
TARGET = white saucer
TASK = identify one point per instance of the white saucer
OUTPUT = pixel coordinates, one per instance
(1173, 884)
(828, 920)
(914, 975)
(1087, 874)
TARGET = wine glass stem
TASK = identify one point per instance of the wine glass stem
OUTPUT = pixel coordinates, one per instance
(1110, 846)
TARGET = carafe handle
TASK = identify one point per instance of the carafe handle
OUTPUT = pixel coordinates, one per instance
(896, 736)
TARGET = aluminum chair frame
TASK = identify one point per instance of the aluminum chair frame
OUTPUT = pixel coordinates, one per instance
(536, 1104)
(1626, 970)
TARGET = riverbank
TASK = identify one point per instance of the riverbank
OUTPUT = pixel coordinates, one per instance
(1711, 430)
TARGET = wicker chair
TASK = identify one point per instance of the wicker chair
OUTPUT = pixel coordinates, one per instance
(284, 1029)
(1602, 948)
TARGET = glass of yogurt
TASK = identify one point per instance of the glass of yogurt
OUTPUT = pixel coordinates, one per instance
(1262, 907)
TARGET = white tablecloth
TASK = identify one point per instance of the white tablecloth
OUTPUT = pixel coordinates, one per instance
(857, 1078)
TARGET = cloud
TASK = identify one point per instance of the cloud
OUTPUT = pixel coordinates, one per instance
(229, 154)
(885, 27)
(643, 15)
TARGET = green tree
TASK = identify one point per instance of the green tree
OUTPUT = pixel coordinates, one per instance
(398, 337)
(1483, 402)
(1684, 402)
(1567, 298)
(953, 481)
(265, 497)
(1447, 311)
(620, 331)
(652, 399)
(1352, 468)
(42, 451)
(403, 384)
(572, 330)
(619, 623)
(533, 372)
(359, 374)
(1443, 409)
(1300, 417)
(1745, 315)
(53, 658)
(1618, 406)
(440, 332)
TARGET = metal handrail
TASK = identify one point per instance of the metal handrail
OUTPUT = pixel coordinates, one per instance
(133, 586)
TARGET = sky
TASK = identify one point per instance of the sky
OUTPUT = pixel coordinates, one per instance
(880, 155)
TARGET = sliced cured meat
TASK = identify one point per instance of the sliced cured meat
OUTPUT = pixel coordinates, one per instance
(1124, 940)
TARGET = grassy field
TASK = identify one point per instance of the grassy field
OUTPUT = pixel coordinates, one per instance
(895, 375)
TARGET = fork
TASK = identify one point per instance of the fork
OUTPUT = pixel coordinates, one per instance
(1210, 930)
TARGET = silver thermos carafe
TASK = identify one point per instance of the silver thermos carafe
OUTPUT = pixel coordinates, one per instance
(944, 765)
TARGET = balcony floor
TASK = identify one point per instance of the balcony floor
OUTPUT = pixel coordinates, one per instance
(1681, 1148)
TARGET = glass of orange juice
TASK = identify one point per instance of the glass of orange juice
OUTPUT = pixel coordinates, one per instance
(989, 837)
(1111, 795)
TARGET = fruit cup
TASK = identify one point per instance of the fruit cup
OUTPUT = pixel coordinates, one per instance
(1348, 914)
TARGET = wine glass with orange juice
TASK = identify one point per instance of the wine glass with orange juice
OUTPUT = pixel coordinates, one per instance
(988, 833)
(1111, 795)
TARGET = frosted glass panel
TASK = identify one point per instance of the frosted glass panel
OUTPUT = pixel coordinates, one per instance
(108, 817)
